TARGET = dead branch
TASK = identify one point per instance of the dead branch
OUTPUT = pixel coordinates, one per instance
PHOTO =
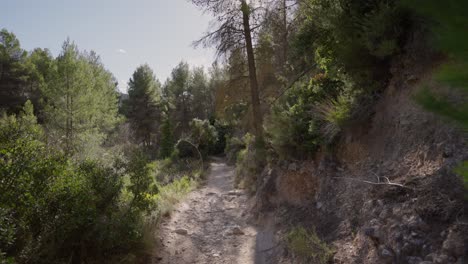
(388, 182)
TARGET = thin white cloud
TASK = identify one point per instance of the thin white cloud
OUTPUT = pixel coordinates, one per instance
(122, 51)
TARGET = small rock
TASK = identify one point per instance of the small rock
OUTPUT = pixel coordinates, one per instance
(181, 231)
(380, 203)
(454, 244)
(447, 153)
(411, 78)
(414, 260)
(387, 254)
(292, 167)
(374, 222)
(441, 259)
(426, 262)
(426, 250)
(416, 223)
(319, 205)
(229, 198)
(216, 255)
(385, 213)
(398, 236)
(234, 192)
(374, 233)
(236, 231)
(429, 257)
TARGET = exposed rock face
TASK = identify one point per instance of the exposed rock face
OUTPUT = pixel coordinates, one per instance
(421, 221)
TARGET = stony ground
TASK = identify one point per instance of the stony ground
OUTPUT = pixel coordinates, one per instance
(212, 226)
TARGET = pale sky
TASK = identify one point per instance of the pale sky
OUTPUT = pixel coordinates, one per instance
(125, 33)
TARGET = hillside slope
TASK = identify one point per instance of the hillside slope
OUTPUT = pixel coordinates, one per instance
(344, 193)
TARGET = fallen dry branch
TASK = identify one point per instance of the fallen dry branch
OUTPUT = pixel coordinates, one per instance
(388, 182)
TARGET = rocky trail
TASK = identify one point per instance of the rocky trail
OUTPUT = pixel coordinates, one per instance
(212, 226)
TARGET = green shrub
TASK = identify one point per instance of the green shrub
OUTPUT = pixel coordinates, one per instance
(352, 37)
(248, 168)
(224, 131)
(171, 194)
(203, 135)
(294, 129)
(233, 146)
(54, 209)
(172, 169)
(142, 182)
(334, 113)
(307, 246)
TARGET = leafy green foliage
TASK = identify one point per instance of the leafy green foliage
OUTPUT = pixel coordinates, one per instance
(233, 146)
(352, 37)
(14, 73)
(308, 246)
(248, 163)
(309, 114)
(54, 208)
(446, 21)
(141, 180)
(203, 135)
(224, 131)
(334, 113)
(457, 111)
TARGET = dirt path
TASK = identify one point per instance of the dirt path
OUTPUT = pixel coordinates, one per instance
(211, 226)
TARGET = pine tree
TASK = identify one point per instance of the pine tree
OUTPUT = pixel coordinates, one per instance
(13, 74)
(144, 101)
(81, 102)
(179, 95)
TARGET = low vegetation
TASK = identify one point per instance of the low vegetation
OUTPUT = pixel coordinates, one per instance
(307, 247)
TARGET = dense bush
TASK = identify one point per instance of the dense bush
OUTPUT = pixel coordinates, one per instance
(54, 209)
(248, 164)
(351, 37)
(309, 114)
(233, 146)
(224, 131)
(204, 135)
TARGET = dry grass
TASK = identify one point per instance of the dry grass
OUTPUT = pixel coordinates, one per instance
(307, 246)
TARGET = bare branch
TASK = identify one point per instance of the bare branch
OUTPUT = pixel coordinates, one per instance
(388, 182)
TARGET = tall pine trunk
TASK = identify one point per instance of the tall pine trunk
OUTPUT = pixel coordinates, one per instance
(257, 114)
